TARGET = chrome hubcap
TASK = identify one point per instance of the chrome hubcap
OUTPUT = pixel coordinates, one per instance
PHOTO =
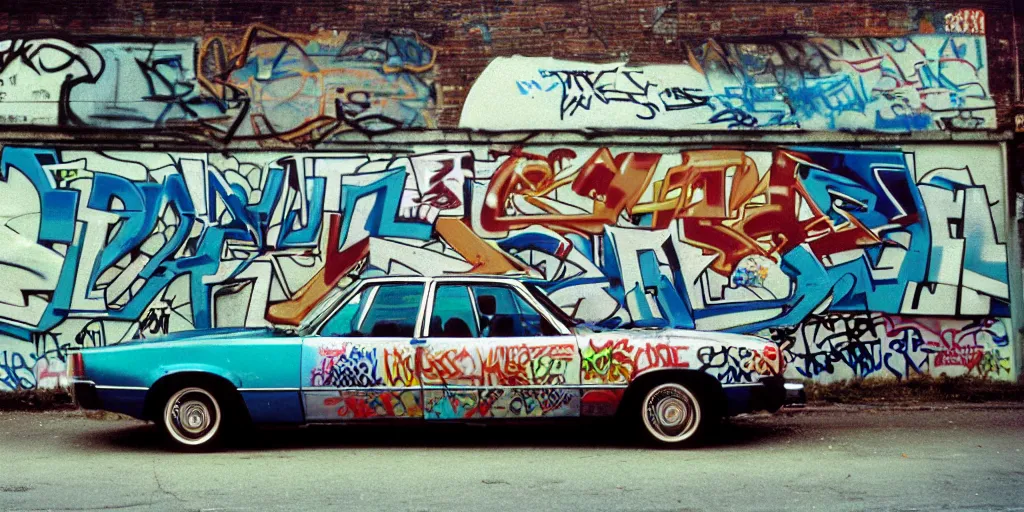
(671, 413)
(192, 416)
(196, 416)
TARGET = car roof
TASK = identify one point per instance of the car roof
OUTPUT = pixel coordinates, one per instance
(446, 277)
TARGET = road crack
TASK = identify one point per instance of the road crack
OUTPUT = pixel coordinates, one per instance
(77, 509)
(160, 485)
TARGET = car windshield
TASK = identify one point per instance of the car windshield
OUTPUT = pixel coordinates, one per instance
(551, 306)
(325, 306)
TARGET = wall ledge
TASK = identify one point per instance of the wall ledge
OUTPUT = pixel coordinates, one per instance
(355, 140)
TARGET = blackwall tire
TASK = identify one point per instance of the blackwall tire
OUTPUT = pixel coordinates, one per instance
(193, 419)
(673, 414)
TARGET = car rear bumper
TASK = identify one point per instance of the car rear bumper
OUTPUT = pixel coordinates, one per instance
(123, 400)
(84, 394)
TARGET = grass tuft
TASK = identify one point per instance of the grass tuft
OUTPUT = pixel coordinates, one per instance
(917, 389)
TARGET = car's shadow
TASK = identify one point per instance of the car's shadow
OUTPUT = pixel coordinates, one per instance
(137, 436)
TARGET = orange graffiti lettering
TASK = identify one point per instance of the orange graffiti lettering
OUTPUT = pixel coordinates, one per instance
(400, 368)
(731, 218)
(613, 183)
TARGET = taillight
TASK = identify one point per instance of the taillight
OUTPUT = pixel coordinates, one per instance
(76, 365)
(776, 360)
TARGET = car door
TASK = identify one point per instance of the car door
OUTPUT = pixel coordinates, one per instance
(362, 363)
(491, 353)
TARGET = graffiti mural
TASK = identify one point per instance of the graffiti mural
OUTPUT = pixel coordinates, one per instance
(885, 261)
(295, 88)
(936, 81)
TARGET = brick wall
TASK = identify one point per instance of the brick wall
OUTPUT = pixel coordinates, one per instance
(469, 34)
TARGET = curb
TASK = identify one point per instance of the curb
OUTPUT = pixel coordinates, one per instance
(900, 406)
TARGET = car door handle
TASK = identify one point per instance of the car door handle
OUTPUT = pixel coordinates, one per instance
(417, 342)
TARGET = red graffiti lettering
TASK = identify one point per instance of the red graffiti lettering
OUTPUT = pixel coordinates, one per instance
(661, 355)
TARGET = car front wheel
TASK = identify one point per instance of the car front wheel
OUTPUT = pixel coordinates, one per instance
(672, 414)
(192, 418)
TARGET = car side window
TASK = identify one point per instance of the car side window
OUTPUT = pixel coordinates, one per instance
(503, 313)
(391, 313)
(452, 315)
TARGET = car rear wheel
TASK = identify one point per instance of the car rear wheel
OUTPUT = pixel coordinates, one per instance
(672, 414)
(193, 418)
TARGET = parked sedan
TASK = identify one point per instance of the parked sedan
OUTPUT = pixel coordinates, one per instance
(453, 348)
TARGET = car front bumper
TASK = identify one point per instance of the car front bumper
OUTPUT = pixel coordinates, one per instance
(795, 395)
(777, 392)
(769, 394)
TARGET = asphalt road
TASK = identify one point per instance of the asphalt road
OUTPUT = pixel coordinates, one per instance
(957, 458)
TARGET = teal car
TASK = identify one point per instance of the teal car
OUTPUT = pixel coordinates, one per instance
(452, 348)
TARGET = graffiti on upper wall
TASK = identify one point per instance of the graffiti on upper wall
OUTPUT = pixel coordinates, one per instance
(917, 82)
(965, 21)
(271, 85)
(98, 247)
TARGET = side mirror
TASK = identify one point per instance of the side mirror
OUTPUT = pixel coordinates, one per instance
(488, 306)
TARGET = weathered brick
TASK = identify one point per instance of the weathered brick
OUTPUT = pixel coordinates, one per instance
(469, 34)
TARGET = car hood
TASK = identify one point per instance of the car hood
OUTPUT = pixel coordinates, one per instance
(749, 341)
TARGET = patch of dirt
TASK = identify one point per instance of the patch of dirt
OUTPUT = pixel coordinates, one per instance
(36, 400)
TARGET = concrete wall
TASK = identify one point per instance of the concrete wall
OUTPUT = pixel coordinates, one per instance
(842, 190)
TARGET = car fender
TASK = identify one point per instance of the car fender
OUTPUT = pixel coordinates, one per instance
(170, 370)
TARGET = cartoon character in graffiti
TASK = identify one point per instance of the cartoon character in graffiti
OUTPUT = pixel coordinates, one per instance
(446, 348)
